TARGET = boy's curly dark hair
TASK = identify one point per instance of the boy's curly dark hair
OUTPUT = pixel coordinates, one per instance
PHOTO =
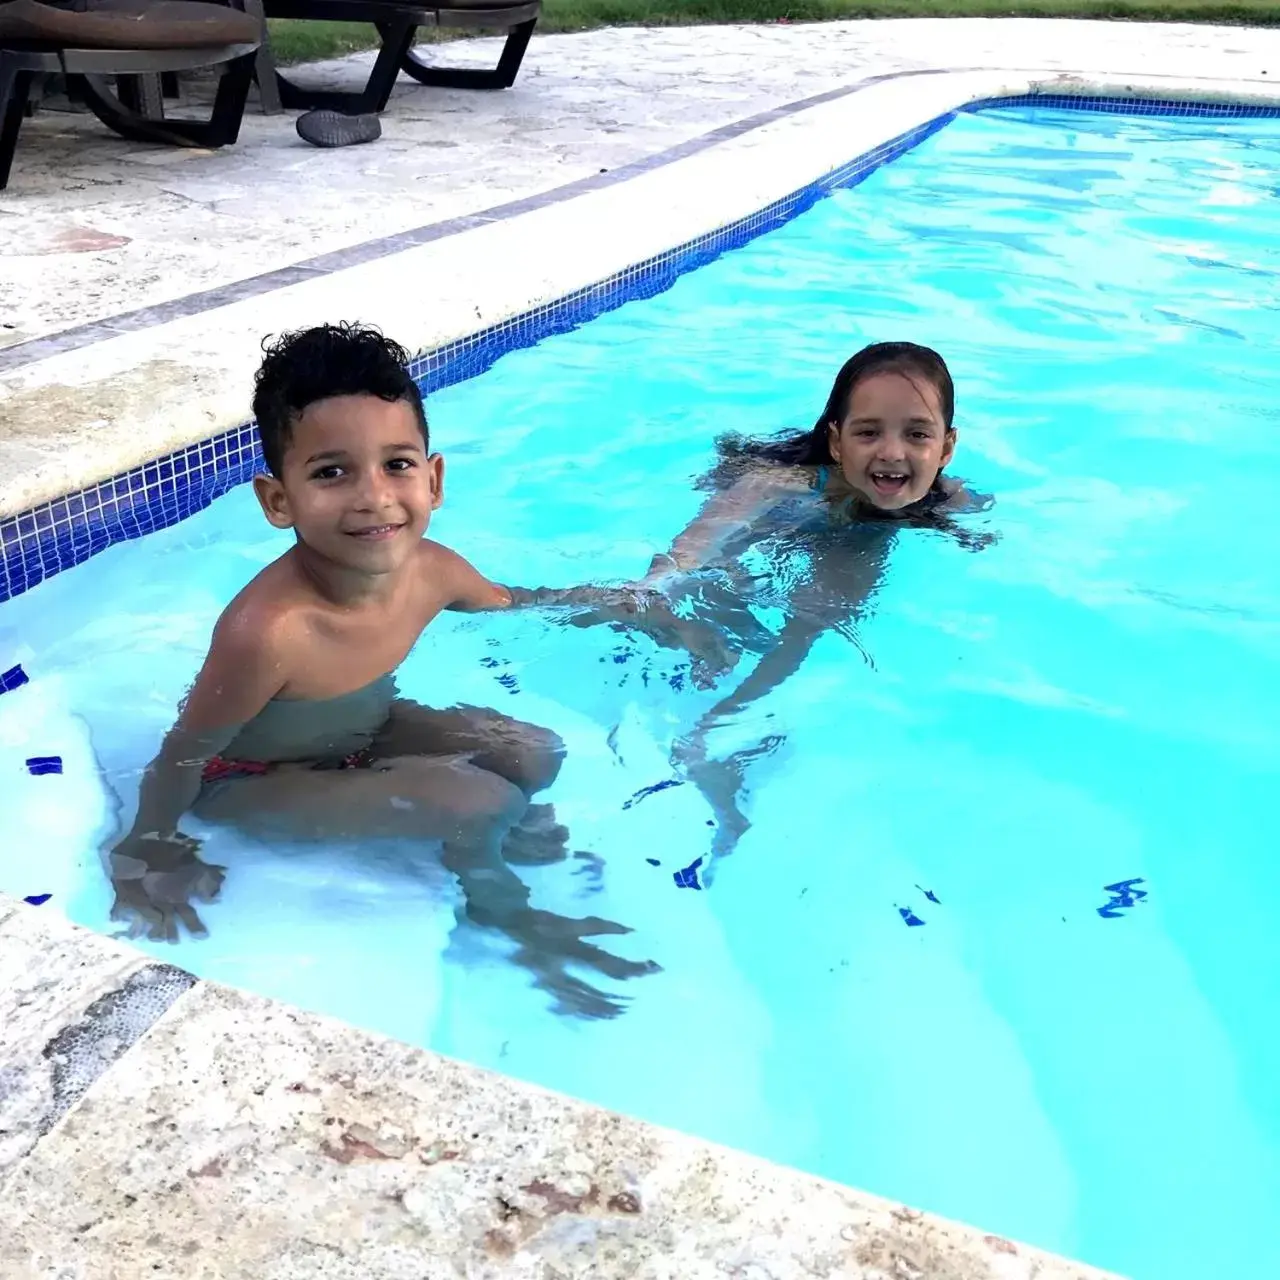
(316, 364)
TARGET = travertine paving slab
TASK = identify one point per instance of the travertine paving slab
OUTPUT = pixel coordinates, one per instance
(241, 1138)
(70, 1004)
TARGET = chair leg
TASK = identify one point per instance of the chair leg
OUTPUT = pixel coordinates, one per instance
(15, 89)
(502, 77)
(220, 130)
(264, 72)
(142, 94)
(397, 40)
(229, 102)
(264, 64)
(513, 52)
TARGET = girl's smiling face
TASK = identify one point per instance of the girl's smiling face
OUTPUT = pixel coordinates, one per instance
(893, 440)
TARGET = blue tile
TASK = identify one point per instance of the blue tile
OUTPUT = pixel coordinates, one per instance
(1134, 106)
(13, 679)
(38, 766)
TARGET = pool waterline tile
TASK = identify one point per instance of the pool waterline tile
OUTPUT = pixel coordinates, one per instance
(59, 534)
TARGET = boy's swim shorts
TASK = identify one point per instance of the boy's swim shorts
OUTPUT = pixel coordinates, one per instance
(217, 769)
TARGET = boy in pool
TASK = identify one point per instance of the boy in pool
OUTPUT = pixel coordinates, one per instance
(298, 678)
(827, 504)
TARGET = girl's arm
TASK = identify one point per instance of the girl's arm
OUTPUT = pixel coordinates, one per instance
(726, 514)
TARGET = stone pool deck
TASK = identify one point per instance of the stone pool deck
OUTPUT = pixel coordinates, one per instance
(155, 1126)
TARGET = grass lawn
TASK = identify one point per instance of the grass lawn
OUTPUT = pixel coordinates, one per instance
(308, 41)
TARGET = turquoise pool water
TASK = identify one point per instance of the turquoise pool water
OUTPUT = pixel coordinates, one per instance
(997, 745)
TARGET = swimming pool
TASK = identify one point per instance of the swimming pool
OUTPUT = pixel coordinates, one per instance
(1052, 753)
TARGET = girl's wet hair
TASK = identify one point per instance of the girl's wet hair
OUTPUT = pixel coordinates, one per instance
(812, 448)
(302, 368)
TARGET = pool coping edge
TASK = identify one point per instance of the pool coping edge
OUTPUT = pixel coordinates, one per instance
(653, 1195)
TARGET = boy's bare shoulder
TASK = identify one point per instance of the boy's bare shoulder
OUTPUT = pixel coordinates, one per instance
(455, 583)
(266, 612)
(432, 554)
(441, 563)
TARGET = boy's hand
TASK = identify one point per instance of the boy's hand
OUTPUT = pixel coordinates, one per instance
(643, 609)
(549, 944)
(155, 878)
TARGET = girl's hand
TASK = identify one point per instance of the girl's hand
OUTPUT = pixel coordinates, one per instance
(662, 568)
(667, 566)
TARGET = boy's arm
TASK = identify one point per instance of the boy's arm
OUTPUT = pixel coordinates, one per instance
(156, 871)
(241, 673)
(637, 607)
(467, 590)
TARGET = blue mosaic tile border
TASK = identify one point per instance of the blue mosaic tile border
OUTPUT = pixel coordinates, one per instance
(1131, 106)
(470, 356)
(65, 532)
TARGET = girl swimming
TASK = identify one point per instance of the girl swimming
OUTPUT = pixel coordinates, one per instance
(821, 508)
(877, 450)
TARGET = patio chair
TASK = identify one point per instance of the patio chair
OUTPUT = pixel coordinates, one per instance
(131, 40)
(397, 25)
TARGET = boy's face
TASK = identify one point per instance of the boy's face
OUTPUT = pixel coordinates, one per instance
(357, 485)
(893, 440)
